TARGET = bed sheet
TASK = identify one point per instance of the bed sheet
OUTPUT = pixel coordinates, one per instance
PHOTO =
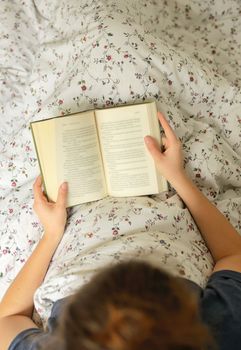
(59, 57)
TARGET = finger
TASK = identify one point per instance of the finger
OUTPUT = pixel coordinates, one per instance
(170, 134)
(153, 147)
(62, 195)
(164, 141)
(37, 188)
(38, 180)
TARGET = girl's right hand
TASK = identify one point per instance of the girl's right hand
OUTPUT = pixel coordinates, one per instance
(169, 162)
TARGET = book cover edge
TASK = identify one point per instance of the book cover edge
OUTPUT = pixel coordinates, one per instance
(38, 158)
(66, 116)
(93, 110)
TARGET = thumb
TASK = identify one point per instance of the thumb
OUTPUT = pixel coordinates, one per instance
(62, 195)
(153, 148)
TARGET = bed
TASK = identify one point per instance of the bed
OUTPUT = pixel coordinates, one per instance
(59, 57)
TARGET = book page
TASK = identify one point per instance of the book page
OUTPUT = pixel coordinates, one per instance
(44, 138)
(129, 168)
(78, 158)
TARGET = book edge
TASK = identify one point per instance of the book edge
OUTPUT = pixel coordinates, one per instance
(39, 162)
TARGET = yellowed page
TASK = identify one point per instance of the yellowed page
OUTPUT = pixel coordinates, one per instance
(129, 168)
(44, 134)
(78, 158)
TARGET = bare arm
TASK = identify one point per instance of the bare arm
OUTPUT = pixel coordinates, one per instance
(16, 307)
(18, 299)
(220, 236)
(223, 241)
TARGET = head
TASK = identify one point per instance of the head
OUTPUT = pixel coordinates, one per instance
(132, 306)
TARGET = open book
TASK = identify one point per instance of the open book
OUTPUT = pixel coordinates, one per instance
(99, 153)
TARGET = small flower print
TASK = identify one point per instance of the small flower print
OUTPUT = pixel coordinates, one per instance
(125, 62)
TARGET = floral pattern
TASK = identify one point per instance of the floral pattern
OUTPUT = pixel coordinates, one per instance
(59, 57)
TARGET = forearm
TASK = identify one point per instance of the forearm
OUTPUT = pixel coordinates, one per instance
(18, 299)
(220, 236)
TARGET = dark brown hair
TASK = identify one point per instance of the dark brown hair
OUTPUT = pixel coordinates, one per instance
(132, 306)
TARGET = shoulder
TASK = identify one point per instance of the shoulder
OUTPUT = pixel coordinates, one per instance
(29, 337)
(12, 326)
(223, 284)
(220, 307)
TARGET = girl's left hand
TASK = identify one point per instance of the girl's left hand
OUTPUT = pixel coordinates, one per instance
(52, 215)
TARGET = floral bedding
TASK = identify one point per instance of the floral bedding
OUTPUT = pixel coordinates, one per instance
(59, 57)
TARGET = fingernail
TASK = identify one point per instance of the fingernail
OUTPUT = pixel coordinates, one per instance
(64, 186)
(147, 139)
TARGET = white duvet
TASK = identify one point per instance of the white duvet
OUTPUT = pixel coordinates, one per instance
(59, 57)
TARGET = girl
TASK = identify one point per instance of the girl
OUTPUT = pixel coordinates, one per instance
(133, 305)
